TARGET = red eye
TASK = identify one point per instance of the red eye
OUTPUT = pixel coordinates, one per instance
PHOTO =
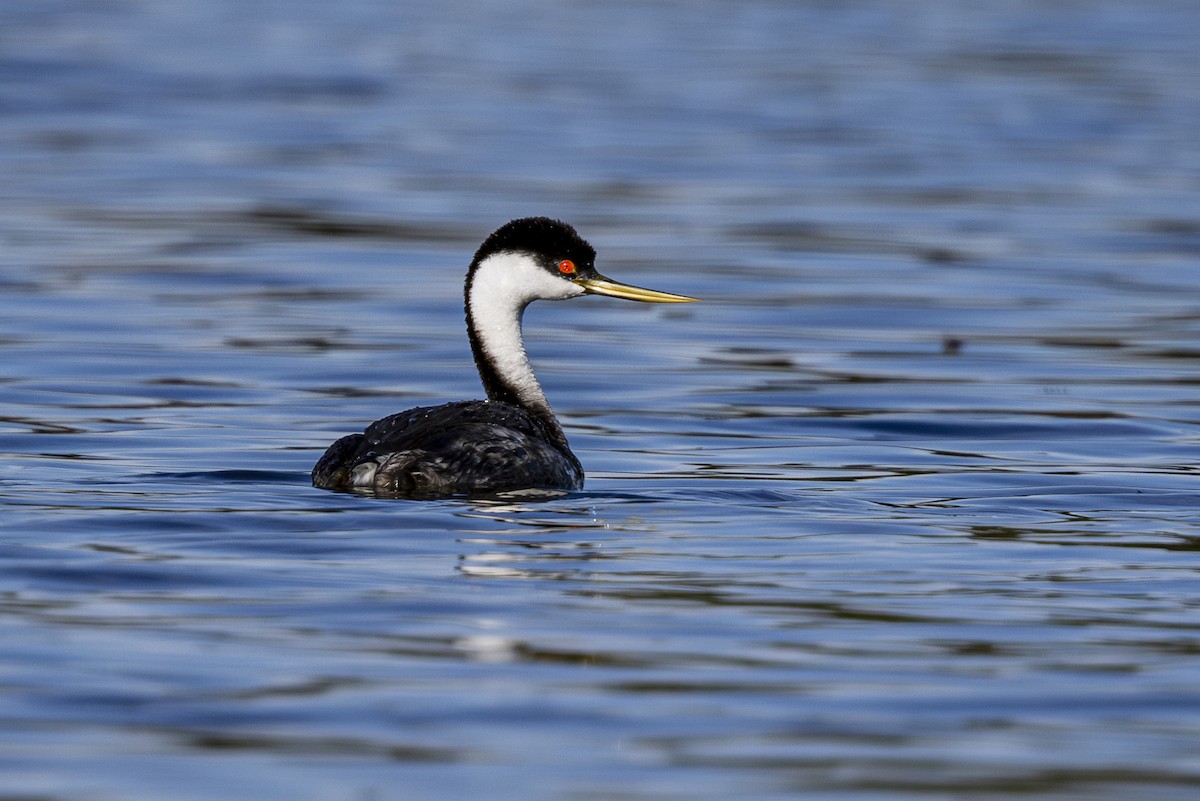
(566, 267)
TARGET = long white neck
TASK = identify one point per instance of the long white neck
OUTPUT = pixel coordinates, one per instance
(501, 286)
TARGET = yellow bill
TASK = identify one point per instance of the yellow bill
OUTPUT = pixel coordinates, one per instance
(604, 286)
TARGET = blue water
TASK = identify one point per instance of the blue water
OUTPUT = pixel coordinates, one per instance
(906, 509)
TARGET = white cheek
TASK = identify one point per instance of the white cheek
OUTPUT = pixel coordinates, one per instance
(502, 286)
(514, 280)
(559, 288)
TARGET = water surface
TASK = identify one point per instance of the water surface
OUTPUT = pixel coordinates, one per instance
(906, 509)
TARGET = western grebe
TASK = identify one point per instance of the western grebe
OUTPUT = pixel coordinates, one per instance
(512, 440)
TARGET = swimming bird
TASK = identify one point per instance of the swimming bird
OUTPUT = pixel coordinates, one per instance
(512, 440)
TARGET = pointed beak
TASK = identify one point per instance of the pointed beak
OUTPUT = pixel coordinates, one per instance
(604, 286)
